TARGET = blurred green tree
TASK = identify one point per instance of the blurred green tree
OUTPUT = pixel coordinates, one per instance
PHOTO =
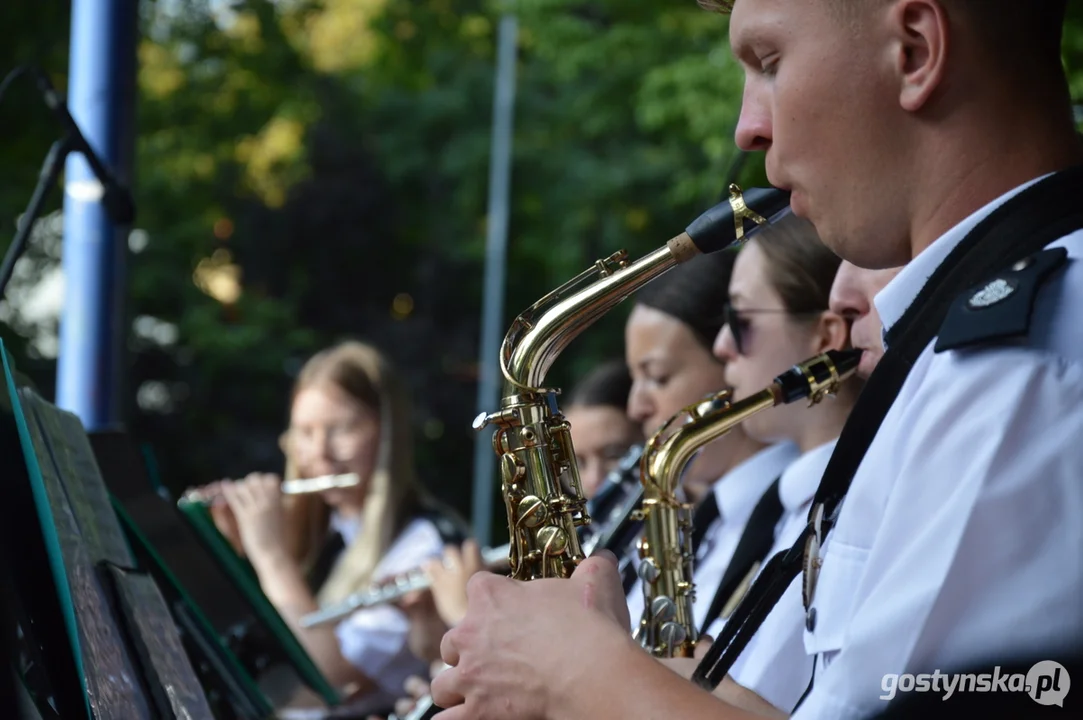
(309, 170)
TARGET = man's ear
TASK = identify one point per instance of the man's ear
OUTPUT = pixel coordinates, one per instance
(921, 32)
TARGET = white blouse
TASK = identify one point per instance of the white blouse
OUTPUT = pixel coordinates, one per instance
(774, 664)
(374, 639)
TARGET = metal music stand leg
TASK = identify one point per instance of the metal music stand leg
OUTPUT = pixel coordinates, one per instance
(50, 173)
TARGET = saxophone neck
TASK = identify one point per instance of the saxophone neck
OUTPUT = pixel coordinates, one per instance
(705, 421)
(540, 334)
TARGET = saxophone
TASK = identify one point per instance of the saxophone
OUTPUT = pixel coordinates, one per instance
(540, 482)
(667, 628)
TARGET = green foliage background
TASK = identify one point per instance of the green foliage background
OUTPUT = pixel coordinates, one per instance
(338, 152)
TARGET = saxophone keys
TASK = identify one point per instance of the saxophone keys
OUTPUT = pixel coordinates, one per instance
(648, 572)
(553, 540)
(663, 609)
(502, 418)
(512, 468)
(532, 511)
(672, 634)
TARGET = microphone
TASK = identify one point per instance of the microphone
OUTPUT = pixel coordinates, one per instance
(115, 197)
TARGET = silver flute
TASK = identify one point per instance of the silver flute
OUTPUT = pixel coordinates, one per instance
(289, 487)
(423, 710)
(390, 590)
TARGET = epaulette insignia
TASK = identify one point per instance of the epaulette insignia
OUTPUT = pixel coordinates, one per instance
(1000, 308)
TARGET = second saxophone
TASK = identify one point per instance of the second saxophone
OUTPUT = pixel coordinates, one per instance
(667, 627)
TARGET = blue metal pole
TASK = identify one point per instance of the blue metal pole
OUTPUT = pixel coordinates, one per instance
(495, 270)
(101, 98)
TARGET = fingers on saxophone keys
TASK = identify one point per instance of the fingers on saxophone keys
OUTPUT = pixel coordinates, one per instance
(449, 653)
(447, 692)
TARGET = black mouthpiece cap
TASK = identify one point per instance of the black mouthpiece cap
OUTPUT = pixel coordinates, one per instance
(796, 383)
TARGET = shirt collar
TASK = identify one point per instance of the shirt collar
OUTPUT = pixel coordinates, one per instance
(893, 301)
(348, 528)
(738, 491)
(801, 479)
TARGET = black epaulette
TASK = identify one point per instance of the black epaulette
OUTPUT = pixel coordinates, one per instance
(1001, 307)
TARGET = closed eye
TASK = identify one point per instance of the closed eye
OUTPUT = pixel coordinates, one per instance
(769, 65)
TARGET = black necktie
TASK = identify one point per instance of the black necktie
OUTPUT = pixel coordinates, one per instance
(705, 514)
(752, 548)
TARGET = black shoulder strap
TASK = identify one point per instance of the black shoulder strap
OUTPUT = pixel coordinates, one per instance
(1039, 215)
(752, 549)
(325, 560)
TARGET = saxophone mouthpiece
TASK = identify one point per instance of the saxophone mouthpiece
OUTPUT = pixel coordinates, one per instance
(736, 219)
(820, 376)
(846, 361)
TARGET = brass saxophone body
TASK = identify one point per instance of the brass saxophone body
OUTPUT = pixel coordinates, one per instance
(540, 482)
(667, 627)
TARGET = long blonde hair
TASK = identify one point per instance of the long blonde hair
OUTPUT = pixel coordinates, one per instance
(393, 493)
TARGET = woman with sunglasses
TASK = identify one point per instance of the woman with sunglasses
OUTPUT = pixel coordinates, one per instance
(668, 338)
(776, 317)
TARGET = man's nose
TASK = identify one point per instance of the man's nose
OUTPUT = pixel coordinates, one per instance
(753, 132)
(847, 298)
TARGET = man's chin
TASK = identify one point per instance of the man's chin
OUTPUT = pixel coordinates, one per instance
(868, 362)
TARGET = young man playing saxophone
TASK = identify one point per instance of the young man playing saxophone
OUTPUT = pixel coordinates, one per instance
(936, 134)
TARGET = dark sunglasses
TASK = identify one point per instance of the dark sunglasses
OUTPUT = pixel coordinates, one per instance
(741, 328)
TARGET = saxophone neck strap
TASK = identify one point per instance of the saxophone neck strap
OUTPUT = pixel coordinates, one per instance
(1039, 215)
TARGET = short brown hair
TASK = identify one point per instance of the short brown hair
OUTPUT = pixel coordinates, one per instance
(1034, 27)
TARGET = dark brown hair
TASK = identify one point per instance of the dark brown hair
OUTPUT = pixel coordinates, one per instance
(695, 293)
(800, 268)
(609, 385)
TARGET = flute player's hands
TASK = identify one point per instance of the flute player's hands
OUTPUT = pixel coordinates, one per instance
(257, 504)
(449, 577)
(221, 513)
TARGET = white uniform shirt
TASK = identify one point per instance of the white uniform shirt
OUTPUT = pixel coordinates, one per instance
(374, 639)
(959, 541)
(736, 493)
(774, 663)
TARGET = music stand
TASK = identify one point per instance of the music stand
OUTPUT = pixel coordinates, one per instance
(209, 585)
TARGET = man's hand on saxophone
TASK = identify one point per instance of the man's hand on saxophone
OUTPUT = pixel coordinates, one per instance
(559, 648)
